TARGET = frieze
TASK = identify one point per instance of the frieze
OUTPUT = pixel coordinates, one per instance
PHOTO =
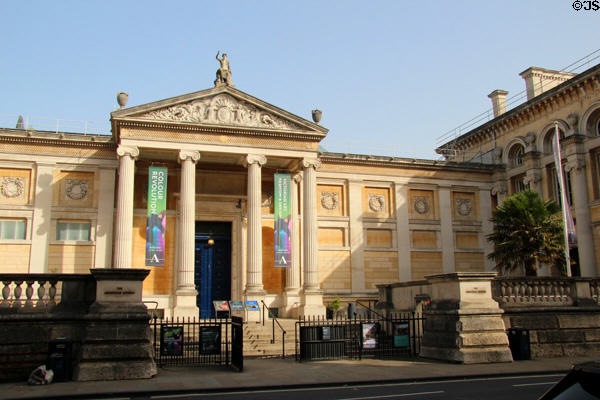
(377, 202)
(12, 187)
(464, 207)
(329, 200)
(76, 189)
(421, 205)
(223, 109)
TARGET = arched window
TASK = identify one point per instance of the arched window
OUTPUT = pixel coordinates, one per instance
(515, 156)
(548, 139)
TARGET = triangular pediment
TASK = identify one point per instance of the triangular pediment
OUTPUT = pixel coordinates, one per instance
(221, 107)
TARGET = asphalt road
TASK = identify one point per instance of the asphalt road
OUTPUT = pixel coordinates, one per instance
(500, 388)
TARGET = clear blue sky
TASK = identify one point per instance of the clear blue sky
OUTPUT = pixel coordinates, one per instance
(390, 76)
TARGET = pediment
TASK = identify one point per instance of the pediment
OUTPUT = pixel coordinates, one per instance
(226, 107)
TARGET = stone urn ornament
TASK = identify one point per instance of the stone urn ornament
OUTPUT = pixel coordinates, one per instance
(316, 115)
(122, 98)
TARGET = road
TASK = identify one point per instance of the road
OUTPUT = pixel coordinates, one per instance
(499, 388)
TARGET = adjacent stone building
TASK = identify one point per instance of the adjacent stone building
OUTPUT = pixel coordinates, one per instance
(70, 202)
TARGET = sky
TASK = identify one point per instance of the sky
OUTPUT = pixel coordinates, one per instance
(390, 76)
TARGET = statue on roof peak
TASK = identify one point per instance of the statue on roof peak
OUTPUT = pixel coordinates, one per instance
(223, 73)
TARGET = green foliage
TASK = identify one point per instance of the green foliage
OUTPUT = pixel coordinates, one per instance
(527, 230)
(335, 305)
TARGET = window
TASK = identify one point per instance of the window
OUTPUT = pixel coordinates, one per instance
(556, 187)
(73, 231)
(516, 156)
(548, 140)
(518, 184)
(12, 229)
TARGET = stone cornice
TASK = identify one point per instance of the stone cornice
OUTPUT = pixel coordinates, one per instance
(397, 162)
(52, 138)
(215, 129)
(567, 92)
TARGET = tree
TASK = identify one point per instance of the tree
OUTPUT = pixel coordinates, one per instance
(527, 230)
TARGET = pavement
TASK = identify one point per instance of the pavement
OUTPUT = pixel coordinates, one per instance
(284, 373)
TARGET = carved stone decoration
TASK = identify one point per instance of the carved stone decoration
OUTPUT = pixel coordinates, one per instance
(464, 207)
(76, 189)
(329, 200)
(12, 187)
(497, 153)
(222, 109)
(421, 205)
(267, 200)
(500, 188)
(377, 202)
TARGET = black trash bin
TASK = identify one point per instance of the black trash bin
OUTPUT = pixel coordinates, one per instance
(59, 360)
(520, 344)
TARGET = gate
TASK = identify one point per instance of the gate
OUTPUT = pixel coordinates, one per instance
(397, 336)
(197, 342)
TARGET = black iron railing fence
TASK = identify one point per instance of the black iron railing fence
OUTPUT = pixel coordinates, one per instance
(396, 336)
(190, 341)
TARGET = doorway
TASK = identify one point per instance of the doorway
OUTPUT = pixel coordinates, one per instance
(212, 265)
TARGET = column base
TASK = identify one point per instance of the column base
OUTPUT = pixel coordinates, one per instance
(257, 295)
(291, 303)
(185, 304)
(312, 304)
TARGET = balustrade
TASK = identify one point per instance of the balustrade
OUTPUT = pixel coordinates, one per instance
(34, 292)
(538, 291)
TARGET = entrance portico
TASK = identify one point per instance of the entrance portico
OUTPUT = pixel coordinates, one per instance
(222, 147)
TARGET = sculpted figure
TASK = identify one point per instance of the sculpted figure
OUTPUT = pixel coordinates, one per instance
(223, 73)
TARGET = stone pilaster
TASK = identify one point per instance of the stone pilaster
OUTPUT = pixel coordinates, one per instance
(487, 227)
(44, 177)
(292, 274)
(403, 233)
(585, 240)
(185, 303)
(124, 217)
(357, 236)
(104, 225)
(447, 230)
(313, 296)
(254, 285)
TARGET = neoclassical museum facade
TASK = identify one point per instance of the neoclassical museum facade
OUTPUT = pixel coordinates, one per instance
(70, 202)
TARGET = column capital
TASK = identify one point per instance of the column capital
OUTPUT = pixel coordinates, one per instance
(297, 177)
(575, 163)
(311, 163)
(256, 159)
(499, 188)
(130, 151)
(532, 177)
(194, 156)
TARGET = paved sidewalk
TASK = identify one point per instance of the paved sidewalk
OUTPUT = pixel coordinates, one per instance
(284, 373)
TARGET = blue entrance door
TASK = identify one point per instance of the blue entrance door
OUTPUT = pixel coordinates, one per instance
(212, 268)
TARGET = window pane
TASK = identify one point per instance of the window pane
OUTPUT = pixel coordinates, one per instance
(73, 231)
(61, 231)
(84, 233)
(20, 230)
(12, 229)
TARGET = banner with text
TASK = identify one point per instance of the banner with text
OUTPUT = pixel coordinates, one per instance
(157, 218)
(283, 220)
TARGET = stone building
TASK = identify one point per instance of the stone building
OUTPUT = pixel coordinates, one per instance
(70, 202)
(519, 143)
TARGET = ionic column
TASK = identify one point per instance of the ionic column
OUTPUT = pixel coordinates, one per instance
(309, 217)
(585, 241)
(124, 220)
(185, 272)
(292, 274)
(254, 283)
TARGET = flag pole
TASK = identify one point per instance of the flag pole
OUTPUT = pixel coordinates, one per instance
(563, 195)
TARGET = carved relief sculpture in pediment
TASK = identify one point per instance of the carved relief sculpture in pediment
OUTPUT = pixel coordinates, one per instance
(223, 109)
(377, 202)
(12, 187)
(464, 207)
(421, 204)
(329, 200)
(76, 189)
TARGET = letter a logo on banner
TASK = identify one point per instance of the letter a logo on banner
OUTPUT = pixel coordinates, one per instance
(157, 218)
(283, 221)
